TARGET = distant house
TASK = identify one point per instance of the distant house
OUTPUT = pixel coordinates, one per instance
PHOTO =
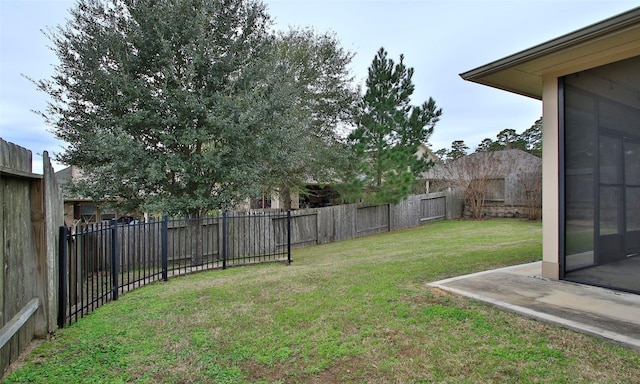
(318, 194)
(510, 178)
(78, 208)
(589, 85)
(424, 150)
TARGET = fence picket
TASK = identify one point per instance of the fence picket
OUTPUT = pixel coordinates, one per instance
(165, 247)
(114, 260)
(98, 261)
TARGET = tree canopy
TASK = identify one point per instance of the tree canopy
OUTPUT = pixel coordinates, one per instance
(188, 106)
(389, 131)
(529, 141)
(458, 149)
(532, 138)
(309, 92)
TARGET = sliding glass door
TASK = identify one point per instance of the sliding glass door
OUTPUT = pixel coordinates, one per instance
(601, 180)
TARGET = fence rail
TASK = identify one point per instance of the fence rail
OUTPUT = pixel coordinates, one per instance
(99, 261)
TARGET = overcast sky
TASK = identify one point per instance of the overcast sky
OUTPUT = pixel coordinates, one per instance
(439, 38)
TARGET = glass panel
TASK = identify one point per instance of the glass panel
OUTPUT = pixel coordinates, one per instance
(609, 210)
(88, 209)
(609, 160)
(632, 164)
(618, 116)
(580, 136)
(580, 130)
(601, 105)
(633, 208)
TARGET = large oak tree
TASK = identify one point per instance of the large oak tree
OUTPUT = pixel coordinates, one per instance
(147, 97)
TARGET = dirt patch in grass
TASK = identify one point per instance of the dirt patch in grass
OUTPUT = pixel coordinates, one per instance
(345, 370)
(24, 355)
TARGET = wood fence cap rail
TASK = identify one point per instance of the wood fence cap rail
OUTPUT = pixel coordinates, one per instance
(6, 171)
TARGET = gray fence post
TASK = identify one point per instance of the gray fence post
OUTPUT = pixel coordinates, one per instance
(165, 247)
(62, 276)
(114, 259)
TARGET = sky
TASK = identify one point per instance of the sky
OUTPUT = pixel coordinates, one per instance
(439, 38)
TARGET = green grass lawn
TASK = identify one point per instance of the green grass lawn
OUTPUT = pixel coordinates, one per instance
(357, 311)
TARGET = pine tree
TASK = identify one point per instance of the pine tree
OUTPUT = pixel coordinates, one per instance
(389, 131)
(509, 139)
(458, 149)
(532, 138)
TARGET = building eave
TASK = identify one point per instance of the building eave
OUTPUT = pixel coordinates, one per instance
(617, 37)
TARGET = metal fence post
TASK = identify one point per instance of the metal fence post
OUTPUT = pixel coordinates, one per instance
(114, 259)
(289, 236)
(62, 275)
(224, 240)
(165, 247)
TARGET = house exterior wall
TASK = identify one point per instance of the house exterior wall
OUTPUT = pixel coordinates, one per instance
(550, 179)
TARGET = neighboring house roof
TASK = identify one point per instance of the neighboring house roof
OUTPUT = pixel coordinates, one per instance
(424, 150)
(496, 164)
(66, 176)
(605, 42)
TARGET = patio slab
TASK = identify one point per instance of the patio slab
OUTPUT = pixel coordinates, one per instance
(601, 312)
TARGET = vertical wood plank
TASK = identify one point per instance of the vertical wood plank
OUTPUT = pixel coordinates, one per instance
(4, 352)
(36, 267)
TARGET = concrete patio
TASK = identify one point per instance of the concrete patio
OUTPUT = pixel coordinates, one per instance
(601, 312)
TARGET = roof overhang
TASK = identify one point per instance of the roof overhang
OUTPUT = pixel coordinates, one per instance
(611, 40)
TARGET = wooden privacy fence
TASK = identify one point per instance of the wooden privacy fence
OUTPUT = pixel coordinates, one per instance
(32, 210)
(101, 260)
(342, 222)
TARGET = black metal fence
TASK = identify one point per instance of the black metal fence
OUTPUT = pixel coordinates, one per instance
(99, 261)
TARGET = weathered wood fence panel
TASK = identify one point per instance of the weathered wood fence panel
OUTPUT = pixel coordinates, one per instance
(343, 222)
(253, 234)
(305, 231)
(53, 217)
(18, 253)
(373, 219)
(32, 210)
(433, 209)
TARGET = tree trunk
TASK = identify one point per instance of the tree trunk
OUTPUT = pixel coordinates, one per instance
(285, 192)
